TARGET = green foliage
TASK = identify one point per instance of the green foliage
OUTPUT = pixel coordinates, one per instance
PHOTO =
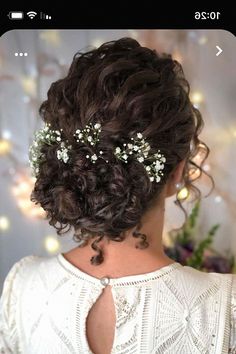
(196, 260)
(185, 235)
(186, 249)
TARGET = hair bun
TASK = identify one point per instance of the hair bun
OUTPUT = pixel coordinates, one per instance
(128, 88)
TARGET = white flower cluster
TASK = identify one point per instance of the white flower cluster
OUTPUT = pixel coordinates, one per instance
(90, 135)
(63, 153)
(46, 135)
(141, 149)
(138, 147)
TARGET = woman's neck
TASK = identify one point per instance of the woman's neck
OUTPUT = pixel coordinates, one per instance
(122, 258)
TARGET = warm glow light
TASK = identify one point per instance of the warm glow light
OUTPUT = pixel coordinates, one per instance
(194, 173)
(197, 157)
(4, 223)
(24, 204)
(51, 244)
(51, 37)
(133, 33)
(21, 188)
(97, 42)
(22, 192)
(197, 97)
(15, 191)
(177, 56)
(24, 187)
(183, 194)
(37, 212)
(168, 242)
(29, 85)
(5, 146)
(202, 40)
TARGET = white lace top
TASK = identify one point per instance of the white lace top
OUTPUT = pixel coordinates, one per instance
(176, 309)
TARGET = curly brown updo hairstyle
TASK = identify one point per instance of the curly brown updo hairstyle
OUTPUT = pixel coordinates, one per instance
(128, 88)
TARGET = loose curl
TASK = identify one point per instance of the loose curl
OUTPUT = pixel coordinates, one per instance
(128, 88)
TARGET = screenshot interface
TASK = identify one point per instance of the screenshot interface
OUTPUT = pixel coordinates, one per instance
(37, 47)
(117, 124)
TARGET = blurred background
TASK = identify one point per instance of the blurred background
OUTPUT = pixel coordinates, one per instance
(30, 60)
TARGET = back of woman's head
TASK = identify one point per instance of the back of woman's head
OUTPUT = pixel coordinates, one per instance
(128, 89)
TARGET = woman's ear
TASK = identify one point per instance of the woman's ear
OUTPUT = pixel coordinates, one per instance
(175, 177)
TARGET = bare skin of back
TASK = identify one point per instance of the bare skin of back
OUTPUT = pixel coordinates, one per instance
(101, 319)
(100, 323)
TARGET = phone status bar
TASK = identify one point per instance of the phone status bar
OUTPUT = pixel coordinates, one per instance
(31, 15)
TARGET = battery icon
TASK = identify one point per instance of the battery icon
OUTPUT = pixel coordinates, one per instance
(16, 15)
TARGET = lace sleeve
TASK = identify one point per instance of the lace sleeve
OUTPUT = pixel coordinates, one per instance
(232, 347)
(8, 307)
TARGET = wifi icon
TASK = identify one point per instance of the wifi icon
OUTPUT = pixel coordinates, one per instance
(31, 14)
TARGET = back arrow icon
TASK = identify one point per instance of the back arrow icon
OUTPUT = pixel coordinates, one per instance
(219, 50)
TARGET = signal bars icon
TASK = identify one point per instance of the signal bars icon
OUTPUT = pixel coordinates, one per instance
(45, 16)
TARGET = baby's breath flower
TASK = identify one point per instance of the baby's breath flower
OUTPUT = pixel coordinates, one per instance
(46, 135)
(94, 158)
(63, 153)
(97, 126)
(139, 148)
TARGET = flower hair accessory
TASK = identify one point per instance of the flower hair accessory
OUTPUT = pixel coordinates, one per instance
(153, 164)
(46, 136)
(138, 148)
(89, 135)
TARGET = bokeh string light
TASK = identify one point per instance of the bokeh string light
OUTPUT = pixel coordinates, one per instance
(4, 223)
(51, 37)
(51, 244)
(21, 190)
(5, 147)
